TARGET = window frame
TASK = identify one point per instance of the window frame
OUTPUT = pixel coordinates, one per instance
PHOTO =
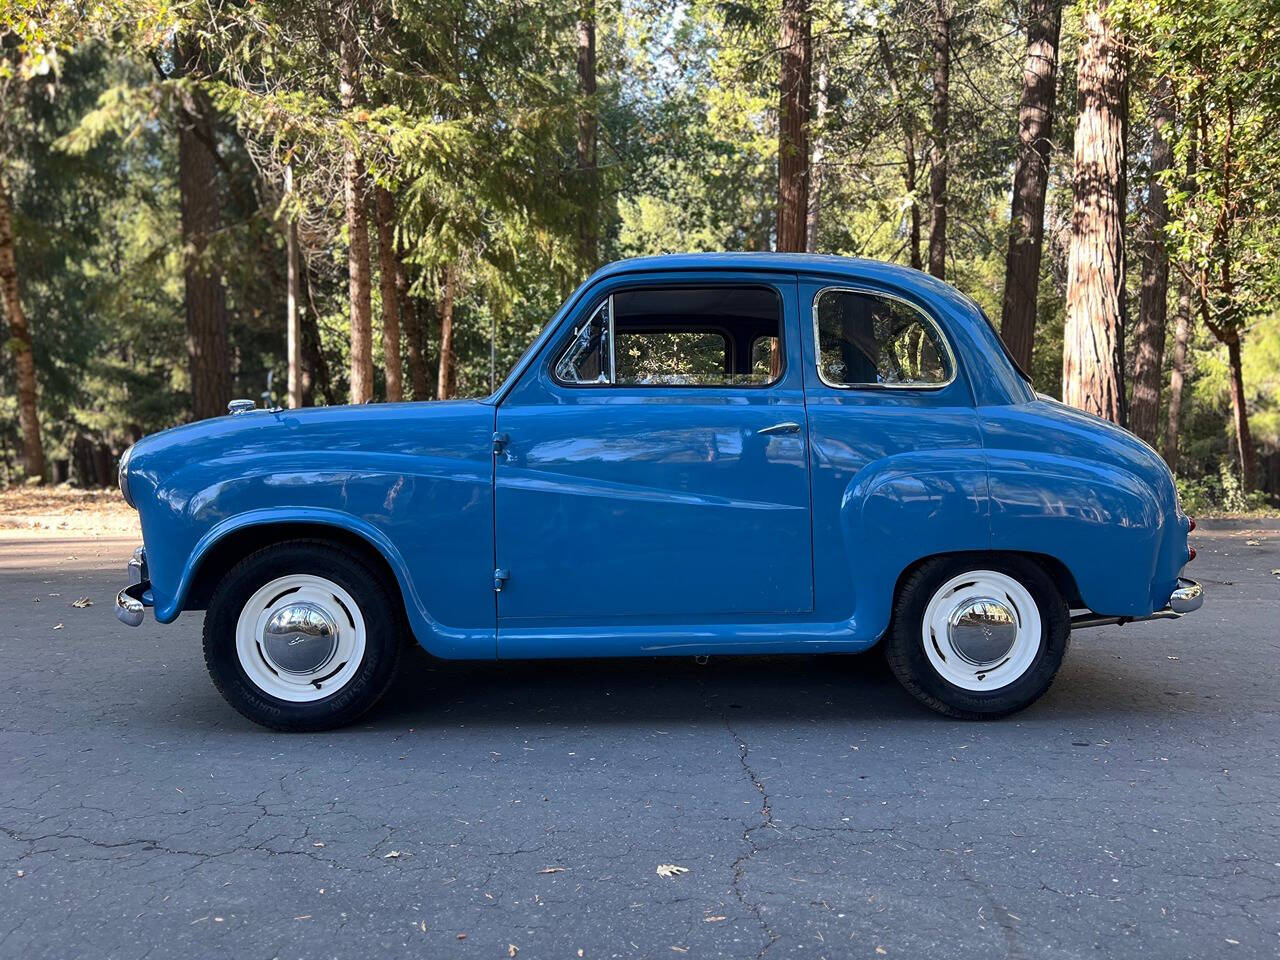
(953, 365)
(612, 384)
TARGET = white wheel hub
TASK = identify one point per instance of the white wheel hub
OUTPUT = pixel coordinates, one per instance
(300, 638)
(981, 630)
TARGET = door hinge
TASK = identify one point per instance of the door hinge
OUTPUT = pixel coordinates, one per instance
(500, 578)
(500, 440)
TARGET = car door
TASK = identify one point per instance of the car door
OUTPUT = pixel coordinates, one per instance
(626, 494)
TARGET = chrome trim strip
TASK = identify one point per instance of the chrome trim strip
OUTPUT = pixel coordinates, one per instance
(872, 292)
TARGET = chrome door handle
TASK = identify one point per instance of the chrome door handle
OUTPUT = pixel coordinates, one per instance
(788, 426)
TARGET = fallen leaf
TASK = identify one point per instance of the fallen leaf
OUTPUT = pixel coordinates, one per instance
(82, 603)
(679, 949)
(318, 843)
(579, 951)
(1173, 658)
(512, 949)
(393, 855)
(305, 916)
(462, 936)
(22, 873)
(1251, 543)
(881, 950)
(57, 626)
(670, 870)
(552, 870)
(1234, 943)
(713, 919)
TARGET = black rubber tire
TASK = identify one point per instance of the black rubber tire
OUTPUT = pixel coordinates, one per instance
(383, 635)
(904, 644)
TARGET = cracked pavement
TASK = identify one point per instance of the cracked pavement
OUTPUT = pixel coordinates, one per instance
(1133, 812)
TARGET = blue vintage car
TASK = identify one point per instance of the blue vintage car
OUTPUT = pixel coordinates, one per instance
(714, 454)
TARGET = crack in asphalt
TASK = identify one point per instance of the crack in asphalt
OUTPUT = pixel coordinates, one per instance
(739, 866)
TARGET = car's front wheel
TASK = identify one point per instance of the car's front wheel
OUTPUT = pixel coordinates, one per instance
(302, 636)
(978, 638)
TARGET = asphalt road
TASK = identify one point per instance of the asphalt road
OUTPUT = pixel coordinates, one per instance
(481, 810)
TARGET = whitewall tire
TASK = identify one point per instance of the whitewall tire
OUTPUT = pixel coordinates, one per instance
(303, 635)
(976, 637)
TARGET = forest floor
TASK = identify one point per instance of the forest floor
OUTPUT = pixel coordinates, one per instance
(66, 510)
(495, 810)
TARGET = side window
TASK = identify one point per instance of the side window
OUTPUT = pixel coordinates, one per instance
(678, 336)
(678, 357)
(866, 340)
(588, 358)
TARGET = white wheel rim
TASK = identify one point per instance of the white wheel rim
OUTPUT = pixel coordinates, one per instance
(300, 638)
(981, 630)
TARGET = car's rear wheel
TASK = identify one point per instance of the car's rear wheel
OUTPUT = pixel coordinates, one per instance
(302, 636)
(978, 638)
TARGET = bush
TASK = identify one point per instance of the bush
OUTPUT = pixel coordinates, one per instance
(1221, 494)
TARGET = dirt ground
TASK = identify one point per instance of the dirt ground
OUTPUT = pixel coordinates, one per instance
(67, 511)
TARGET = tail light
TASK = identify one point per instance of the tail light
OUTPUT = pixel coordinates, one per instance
(1191, 554)
(1191, 524)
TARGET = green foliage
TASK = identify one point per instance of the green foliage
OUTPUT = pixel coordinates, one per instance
(469, 116)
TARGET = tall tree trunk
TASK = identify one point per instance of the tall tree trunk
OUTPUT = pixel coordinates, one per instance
(941, 136)
(588, 130)
(414, 317)
(293, 300)
(907, 121)
(447, 381)
(814, 215)
(1030, 181)
(316, 377)
(358, 267)
(1153, 299)
(19, 344)
(387, 265)
(1177, 373)
(1239, 412)
(1093, 348)
(200, 202)
(793, 125)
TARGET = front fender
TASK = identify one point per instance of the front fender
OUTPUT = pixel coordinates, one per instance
(414, 481)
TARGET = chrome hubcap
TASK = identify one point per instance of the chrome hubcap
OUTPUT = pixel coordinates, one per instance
(982, 631)
(299, 639)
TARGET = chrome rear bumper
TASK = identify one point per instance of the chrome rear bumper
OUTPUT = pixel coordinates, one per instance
(1186, 598)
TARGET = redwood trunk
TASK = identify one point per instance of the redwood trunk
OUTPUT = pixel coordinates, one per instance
(446, 382)
(1092, 360)
(1030, 181)
(358, 267)
(1153, 298)
(205, 297)
(390, 295)
(588, 130)
(20, 344)
(813, 218)
(907, 120)
(938, 157)
(1177, 374)
(793, 125)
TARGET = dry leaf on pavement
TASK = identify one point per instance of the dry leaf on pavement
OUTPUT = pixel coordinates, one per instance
(670, 870)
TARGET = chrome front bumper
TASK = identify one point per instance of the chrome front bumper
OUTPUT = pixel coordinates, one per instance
(133, 600)
(1186, 598)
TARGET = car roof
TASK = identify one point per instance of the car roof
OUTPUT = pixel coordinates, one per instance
(852, 267)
